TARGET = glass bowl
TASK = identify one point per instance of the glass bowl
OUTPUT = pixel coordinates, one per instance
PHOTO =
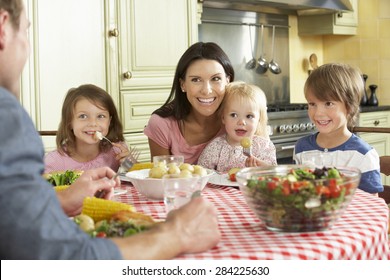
(295, 198)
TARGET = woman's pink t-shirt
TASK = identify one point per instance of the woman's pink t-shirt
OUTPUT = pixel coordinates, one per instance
(54, 161)
(166, 133)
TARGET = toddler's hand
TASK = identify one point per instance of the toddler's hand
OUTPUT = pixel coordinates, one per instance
(253, 162)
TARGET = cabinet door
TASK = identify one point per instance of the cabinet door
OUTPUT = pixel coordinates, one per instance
(152, 36)
(379, 141)
(67, 49)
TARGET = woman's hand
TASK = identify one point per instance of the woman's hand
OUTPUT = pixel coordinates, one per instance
(87, 185)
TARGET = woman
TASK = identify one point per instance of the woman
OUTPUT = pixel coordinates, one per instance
(188, 120)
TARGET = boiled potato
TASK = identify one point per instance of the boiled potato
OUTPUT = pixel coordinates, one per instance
(185, 174)
(157, 172)
(85, 222)
(173, 169)
(246, 142)
(199, 170)
(187, 166)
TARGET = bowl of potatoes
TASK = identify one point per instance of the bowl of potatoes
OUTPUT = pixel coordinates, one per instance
(149, 182)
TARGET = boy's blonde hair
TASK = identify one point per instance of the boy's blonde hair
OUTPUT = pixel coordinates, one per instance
(242, 92)
(337, 82)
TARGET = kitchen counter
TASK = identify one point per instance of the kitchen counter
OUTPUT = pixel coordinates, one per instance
(365, 109)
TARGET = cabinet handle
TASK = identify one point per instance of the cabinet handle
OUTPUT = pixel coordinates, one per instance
(127, 75)
(376, 123)
(113, 33)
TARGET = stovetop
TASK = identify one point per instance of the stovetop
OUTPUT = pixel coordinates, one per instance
(287, 107)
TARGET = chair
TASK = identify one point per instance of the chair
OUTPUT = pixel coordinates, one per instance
(47, 132)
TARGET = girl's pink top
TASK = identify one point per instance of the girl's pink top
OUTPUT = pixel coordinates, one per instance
(54, 161)
(221, 156)
(166, 133)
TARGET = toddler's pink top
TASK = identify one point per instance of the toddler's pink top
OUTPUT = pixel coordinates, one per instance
(221, 156)
(166, 133)
(54, 161)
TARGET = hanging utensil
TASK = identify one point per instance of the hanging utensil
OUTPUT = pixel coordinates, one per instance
(313, 61)
(262, 63)
(273, 66)
(251, 64)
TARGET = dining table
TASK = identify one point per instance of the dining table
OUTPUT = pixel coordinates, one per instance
(361, 233)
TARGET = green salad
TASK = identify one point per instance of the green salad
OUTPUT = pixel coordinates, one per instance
(301, 197)
(63, 178)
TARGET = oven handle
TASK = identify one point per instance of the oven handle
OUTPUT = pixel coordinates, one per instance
(288, 147)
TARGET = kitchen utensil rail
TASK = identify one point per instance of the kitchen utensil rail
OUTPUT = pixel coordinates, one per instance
(244, 23)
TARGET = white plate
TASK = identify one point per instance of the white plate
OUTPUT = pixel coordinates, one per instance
(123, 177)
(222, 179)
(119, 192)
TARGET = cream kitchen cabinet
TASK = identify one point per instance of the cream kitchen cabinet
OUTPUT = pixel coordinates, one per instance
(380, 141)
(147, 39)
(68, 48)
(128, 47)
(339, 23)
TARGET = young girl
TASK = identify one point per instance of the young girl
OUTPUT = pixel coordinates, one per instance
(87, 112)
(333, 92)
(244, 114)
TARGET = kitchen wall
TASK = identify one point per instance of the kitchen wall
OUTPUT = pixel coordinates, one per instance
(369, 50)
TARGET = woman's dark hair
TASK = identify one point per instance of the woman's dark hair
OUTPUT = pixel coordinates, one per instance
(100, 98)
(177, 104)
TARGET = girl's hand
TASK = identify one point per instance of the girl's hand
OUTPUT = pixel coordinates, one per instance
(122, 151)
(253, 162)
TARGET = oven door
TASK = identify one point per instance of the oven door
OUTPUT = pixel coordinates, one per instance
(285, 151)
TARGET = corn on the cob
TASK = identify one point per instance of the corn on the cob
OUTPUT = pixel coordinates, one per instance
(141, 165)
(102, 209)
(61, 188)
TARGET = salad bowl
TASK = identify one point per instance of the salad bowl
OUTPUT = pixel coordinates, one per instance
(295, 198)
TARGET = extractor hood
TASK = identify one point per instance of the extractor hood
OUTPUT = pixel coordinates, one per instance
(298, 7)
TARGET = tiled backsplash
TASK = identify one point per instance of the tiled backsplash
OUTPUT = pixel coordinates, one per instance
(369, 50)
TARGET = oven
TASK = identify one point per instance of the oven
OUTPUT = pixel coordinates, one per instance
(288, 123)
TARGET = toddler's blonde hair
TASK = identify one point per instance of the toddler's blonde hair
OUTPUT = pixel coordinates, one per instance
(242, 92)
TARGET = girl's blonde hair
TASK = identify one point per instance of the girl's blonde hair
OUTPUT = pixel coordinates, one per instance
(242, 92)
(66, 140)
(337, 82)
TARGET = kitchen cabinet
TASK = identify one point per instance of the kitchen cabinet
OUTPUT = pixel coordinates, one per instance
(145, 47)
(128, 47)
(380, 141)
(339, 23)
(67, 49)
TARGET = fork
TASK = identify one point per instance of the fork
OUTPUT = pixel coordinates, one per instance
(247, 151)
(128, 162)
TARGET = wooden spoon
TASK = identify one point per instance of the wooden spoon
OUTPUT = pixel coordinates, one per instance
(313, 61)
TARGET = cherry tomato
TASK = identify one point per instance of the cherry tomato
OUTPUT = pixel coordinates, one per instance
(232, 177)
(101, 234)
(322, 190)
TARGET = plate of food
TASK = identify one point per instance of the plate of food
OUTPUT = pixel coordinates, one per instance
(225, 179)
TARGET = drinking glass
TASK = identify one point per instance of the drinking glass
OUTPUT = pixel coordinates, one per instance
(315, 158)
(178, 191)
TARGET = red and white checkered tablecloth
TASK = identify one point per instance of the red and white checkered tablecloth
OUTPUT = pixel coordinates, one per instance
(361, 233)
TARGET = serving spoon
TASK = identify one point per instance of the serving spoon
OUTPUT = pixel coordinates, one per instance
(273, 66)
(263, 64)
(251, 64)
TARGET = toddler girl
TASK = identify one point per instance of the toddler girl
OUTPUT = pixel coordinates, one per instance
(244, 115)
